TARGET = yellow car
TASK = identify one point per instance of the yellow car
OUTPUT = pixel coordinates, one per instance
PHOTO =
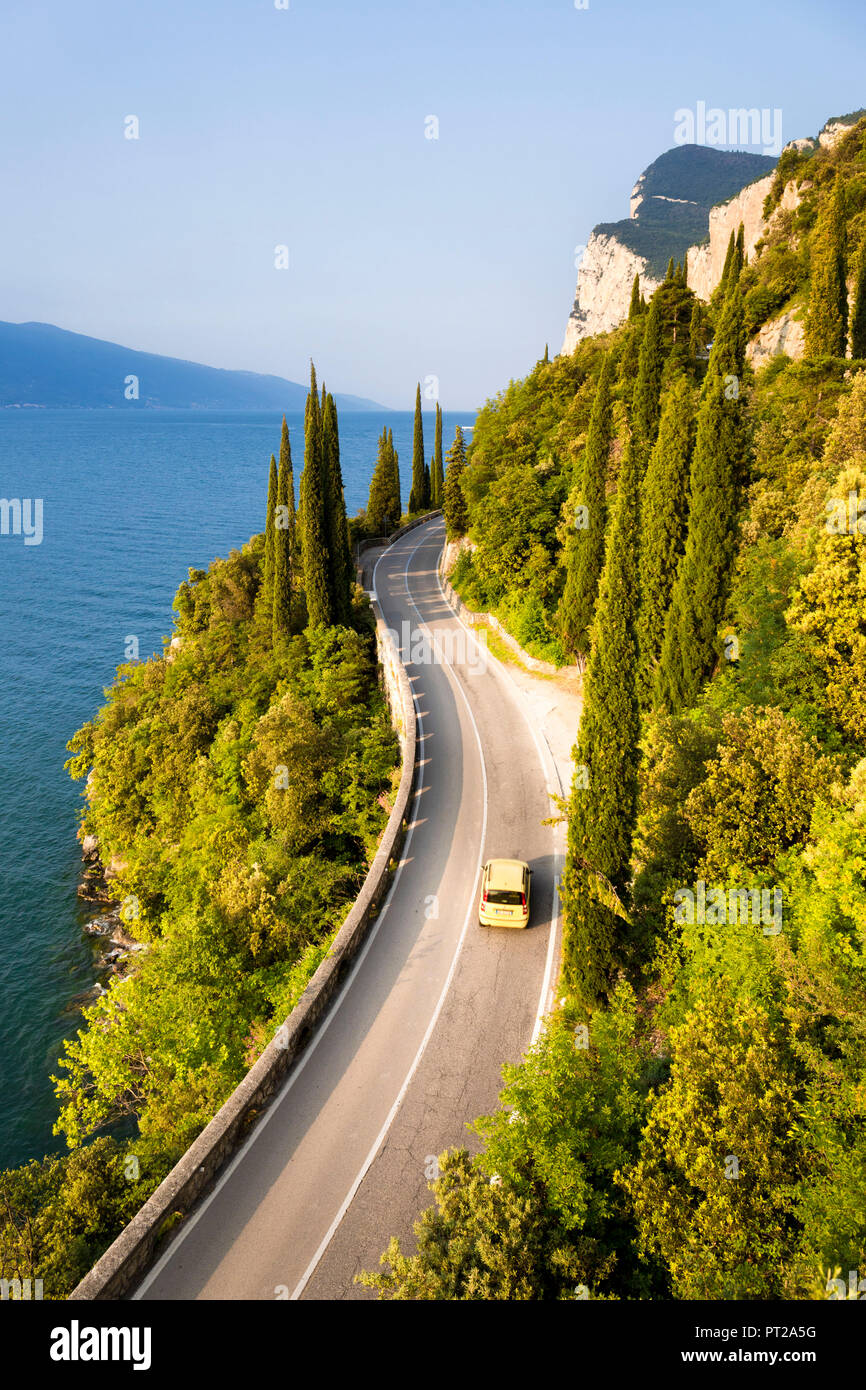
(504, 893)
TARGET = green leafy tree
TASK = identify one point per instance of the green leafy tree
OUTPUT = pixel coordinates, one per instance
(858, 312)
(537, 1213)
(715, 1187)
(584, 549)
(603, 804)
(664, 523)
(456, 514)
(830, 606)
(759, 793)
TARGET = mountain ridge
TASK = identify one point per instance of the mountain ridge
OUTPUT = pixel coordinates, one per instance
(44, 365)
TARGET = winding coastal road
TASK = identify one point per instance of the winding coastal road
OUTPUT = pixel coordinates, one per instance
(413, 1045)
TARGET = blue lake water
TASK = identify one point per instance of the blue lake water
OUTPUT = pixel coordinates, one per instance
(130, 501)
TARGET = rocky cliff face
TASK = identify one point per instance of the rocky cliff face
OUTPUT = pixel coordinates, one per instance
(604, 283)
(669, 210)
(705, 263)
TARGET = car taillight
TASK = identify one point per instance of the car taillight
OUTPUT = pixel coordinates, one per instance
(523, 900)
(484, 896)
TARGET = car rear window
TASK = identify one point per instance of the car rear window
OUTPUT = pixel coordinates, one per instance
(505, 896)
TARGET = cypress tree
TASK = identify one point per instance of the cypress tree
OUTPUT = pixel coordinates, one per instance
(628, 362)
(827, 318)
(603, 802)
(377, 504)
(634, 307)
(741, 250)
(270, 537)
(317, 584)
(858, 312)
(700, 590)
(671, 271)
(455, 509)
(437, 473)
(664, 522)
(394, 511)
(584, 552)
(418, 495)
(546, 357)
(336, 521)
(697, 332)
(286, 463)
(730, 258)
(282, 599)
(645, 408)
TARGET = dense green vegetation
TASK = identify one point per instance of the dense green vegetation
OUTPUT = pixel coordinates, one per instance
(238, 785)
(691, 1124)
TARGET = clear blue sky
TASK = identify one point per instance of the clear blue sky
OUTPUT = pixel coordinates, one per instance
(409, 257)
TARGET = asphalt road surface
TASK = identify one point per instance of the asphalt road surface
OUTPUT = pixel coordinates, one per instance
(413, 1046)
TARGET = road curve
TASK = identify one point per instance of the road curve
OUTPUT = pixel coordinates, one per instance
(412, 1048)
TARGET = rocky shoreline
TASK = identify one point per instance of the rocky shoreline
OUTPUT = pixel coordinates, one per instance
(108, 931)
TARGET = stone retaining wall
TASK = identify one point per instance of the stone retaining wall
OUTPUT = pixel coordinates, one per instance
(135, 1249)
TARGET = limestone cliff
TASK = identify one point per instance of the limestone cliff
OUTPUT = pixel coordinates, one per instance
(669, 211)
(604, 283)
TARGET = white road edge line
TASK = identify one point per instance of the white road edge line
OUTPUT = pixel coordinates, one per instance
(377, 1144)
(271, 1110)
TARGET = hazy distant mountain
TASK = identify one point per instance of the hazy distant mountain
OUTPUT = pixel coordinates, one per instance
(44, 365)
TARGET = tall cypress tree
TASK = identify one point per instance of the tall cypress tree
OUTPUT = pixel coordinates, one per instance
(700, 592)
(317, 586)
(730, 257)
(671, 272)
(636, 305)
(645, 408)
(827, 318)
(664, 523)
(418, 495)
(282, 598)
(455, 509)
(286, 463)
(377, 504)
(697, 332)
(858, 312)
(270, 537)
(741, 249)
(336, 521)
(603, 803)
(437, 473)
(584, 552)
(395, 501)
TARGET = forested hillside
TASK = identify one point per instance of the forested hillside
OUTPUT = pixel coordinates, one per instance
(237, 786)
(693, 534)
